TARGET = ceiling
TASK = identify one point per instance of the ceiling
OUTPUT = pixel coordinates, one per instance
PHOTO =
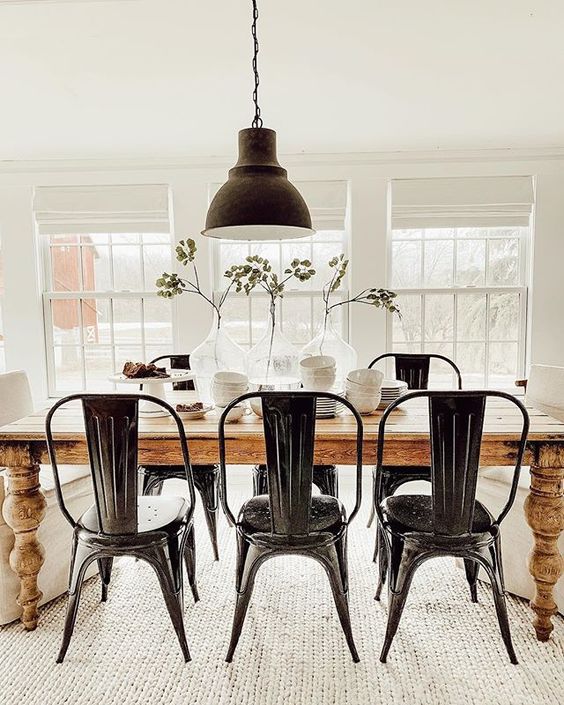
(136, 78)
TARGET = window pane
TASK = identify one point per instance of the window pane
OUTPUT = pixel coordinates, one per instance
(269, 251)
(504, 316)
(407, 329)
(439, 309)
(68, 368)
(470, 262)
(406, 265)
(65, 267)
(125, 353)
(321, 256)
(127, 321)
(471, 317)
(441, 374)
(503, 364)
(96, 268)
(99, 367)
(65, 316)
(127, 268)
(229, 253)
(438, 263)
(259, 315)
(156, 260)
(158, 321)
(96, 321)
(470, 358)
(503, 262)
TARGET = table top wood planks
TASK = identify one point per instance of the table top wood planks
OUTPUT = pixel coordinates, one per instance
(23, 449)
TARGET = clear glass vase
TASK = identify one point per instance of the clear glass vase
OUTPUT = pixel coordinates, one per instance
(328, 341)
(217, 352)
(272, 364)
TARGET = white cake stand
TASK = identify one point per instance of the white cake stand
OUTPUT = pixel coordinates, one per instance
(154, 387)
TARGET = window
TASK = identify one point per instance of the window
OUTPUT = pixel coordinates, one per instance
(462, 294)
(101, 307)
(301, 308)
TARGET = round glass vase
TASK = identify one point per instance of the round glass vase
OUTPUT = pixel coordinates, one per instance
(328, 341)
(217, 352)
(272, 364)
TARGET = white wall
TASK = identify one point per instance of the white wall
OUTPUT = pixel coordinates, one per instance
(368, 176)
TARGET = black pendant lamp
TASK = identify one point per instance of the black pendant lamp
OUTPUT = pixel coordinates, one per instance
(257, 202)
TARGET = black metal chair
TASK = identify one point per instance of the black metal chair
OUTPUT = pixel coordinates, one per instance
(158, 530)
(450, 522)
(205, 476)
(289, 519)
(412, 368)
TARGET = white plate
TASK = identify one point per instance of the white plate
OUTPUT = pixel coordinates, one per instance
(192, 415)
(173, 376)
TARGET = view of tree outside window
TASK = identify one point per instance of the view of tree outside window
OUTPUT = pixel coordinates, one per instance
(462, 294)
(101, 307)
(301, 309)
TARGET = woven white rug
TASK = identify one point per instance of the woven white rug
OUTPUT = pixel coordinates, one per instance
(292, 649)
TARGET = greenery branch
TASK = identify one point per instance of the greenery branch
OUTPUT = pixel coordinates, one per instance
(171, 285)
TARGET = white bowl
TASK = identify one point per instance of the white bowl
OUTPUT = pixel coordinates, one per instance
(363, 403)
(318, 362)
(223, 397)
(234, 414)
(366, 378)
(226, 377)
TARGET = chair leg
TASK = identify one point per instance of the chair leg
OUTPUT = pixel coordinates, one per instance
(249, 558)
(190, 562)
(326, 477)
(163, 563)
(205, 481)
(105, 570)
(492, 565)
(471, 568)
(372, 505)
(402, 565)
(82, 556)
(260, 480)
(153, 486)
(382, 557)
(334, 560)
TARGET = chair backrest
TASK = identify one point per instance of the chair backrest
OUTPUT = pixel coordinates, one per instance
(289, 432)
(413, 368)
(111, 423)
(456, 420)
(178, 362)
(15, 397)
(545, 390)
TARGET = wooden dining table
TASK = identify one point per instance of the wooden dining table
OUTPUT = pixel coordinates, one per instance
(23, 449)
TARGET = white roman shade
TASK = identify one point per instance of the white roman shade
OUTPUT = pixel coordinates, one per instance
(326, 200)
(462, 202)
(101, 209)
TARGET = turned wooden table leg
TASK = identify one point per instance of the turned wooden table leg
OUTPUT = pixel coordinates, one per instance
(23, 510)
(544, 510)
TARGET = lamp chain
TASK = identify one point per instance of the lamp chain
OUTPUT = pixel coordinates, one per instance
(257, 120)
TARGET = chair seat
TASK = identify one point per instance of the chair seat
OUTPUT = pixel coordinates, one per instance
(154, 514)
(326, 513)
(414, 512)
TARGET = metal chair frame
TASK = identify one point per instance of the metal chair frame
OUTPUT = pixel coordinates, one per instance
(289, 426)
(455, 456)
(111, 428)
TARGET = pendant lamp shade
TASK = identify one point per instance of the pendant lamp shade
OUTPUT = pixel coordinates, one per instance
(258, 202)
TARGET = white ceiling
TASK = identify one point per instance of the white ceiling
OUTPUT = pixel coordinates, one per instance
(172, 77)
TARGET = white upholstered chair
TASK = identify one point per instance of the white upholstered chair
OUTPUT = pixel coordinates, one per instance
(54, 533)
(545, 391)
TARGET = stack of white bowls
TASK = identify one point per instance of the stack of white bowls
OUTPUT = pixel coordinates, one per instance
(318, 372)
(363, 389)
(227, 386)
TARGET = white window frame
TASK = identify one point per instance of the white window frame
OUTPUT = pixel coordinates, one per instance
(521, 289)
(49, 295)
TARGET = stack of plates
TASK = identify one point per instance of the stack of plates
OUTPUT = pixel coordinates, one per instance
(327, 408)
(391, 390)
